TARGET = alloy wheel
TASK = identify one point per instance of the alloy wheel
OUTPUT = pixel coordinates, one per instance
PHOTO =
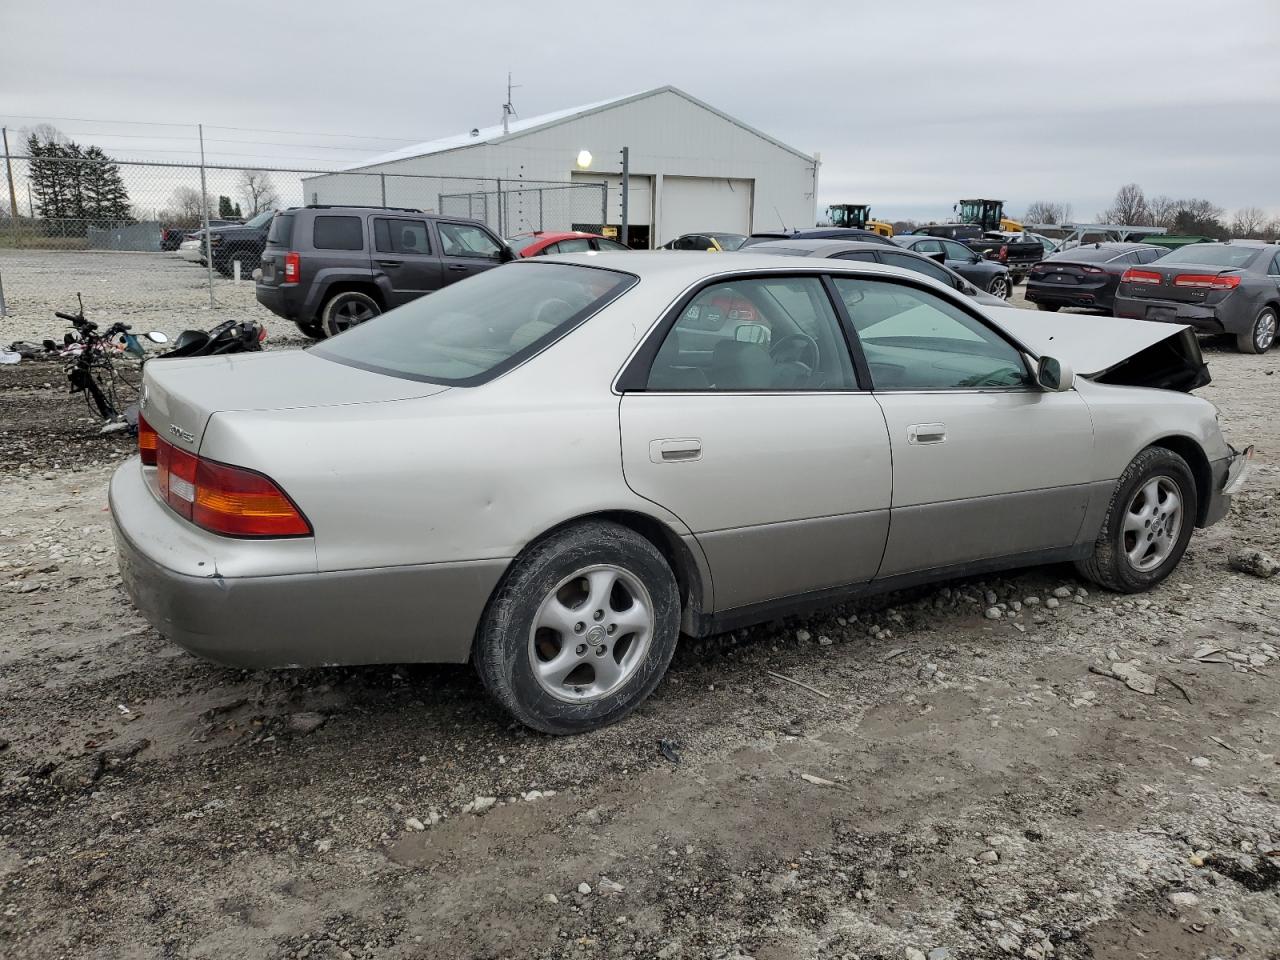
(591, 633)
(999, 288)
(1264, 331)
(351, 313)
(1152, 523)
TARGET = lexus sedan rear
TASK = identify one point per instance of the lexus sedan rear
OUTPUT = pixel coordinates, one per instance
(556, 468)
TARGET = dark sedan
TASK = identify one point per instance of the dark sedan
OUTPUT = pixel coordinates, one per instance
(982, 273)
(1231, 287)
(878, 253)
(818, 233)
(1086, 276)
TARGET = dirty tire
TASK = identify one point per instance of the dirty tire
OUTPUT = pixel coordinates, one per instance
(1050, 307)
(311, 328)
(1261, 335)
(503, 657)
(347, 309)
(1109, 566)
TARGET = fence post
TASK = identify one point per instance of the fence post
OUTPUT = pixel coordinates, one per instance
(626, 174)
(4, 310)
(604, 205)
(204, 209)
(540, 215)
(383, 177)
(501, 232)
(13, 200)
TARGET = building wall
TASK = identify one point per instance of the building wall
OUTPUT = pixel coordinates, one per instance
(668, 135)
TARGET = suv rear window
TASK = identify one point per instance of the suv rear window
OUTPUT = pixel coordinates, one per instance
(470, 332)
(337, 233)
(281, 231)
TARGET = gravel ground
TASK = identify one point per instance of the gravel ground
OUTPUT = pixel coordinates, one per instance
(957, 787)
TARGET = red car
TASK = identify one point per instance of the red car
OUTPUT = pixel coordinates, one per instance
(545, 242)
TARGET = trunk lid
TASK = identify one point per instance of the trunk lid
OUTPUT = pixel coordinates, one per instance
(1168, 289)
(1112, 349)
(180, 395)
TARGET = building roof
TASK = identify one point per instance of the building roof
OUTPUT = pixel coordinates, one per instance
(522, 127)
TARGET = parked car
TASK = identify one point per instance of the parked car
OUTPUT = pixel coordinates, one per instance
(240, 241)
(989, 275)
(171, 238)
(817, 233)
(717, 241)
(1017, 251)
(545, 242)
(1086, 276)
(554, 469)
(1231, 287)
(191, 246)
(328, 268)
(1048, 244)
(878, 253)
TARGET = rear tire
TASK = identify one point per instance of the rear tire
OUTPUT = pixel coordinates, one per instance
(1050, 307)
(581, 630)
(311, 328)
(346, 310)
(1261, 335)
(1148, 524)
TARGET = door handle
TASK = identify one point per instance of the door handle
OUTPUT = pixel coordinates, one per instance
(927, 433)
(389, 264)
(675, 451)
(457, 267)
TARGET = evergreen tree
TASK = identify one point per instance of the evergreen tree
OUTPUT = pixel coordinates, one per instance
(225, 210)
(73, 186)
(106, 199)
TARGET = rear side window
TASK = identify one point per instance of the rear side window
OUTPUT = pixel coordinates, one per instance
(281, 231)
(401, 236)
(337, 233)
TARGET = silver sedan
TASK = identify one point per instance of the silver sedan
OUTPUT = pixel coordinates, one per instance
(557, 468)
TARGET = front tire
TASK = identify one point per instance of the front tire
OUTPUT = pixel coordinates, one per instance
(581, 630)
(1261, 336)
(346, 310)
(1148, 524)
(999, 287)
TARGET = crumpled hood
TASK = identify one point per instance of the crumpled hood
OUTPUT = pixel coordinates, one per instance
(1111, 349)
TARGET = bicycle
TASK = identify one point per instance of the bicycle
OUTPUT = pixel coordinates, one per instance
(91, 366)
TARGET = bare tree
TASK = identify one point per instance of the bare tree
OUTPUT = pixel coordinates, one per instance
(1129, 207)
(1248, 222)
(1271, 232)
(1163, 210)
(258, 191)
(188, 211)
(1047, 211)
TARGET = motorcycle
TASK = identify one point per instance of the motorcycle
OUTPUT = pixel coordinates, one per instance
(230, 336)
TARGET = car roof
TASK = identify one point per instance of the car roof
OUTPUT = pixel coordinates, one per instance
(816, 247)
(555, 234)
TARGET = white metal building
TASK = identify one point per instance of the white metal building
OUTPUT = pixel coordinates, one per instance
(693, 168)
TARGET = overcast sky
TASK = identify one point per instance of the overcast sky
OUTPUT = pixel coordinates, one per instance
(912, 105)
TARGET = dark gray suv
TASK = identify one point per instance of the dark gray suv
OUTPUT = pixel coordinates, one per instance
(328, 268)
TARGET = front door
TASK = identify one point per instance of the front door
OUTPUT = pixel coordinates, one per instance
(985, 463)
(750, 426)
(404, 265)
(466, 249)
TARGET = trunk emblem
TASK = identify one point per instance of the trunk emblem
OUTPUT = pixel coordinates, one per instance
(181, 434)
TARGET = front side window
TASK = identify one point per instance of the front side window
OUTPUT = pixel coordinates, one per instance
(927, 247)
(916, 340)
(468, 333)
(956, 251)
(765, 333)
(401, 236)
(1274, 269)
(918, 264)
(337, 233)
(467, 240)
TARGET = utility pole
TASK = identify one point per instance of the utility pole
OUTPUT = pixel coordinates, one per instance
(626, 172)
(508, 108)
(13, 193)
(204, 211)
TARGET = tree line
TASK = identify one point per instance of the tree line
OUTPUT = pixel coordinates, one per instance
(75, 187)
(1186, 217)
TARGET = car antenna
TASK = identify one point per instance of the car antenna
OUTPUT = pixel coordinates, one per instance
(777, 213)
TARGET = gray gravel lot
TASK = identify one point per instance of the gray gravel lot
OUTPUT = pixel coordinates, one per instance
(962, 787)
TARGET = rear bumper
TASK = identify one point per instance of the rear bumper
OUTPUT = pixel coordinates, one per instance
(1202, 319)
(281, 299)
(1229, 476)
(1066, 296)
(424, 613)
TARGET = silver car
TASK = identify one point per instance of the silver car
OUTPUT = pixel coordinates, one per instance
(556, 468)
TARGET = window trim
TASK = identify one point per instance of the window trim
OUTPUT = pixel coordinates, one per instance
(426, 232)
(634, 377)
(497, 256)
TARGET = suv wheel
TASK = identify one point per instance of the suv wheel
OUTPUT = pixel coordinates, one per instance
(1148, 524)
(346, 310)
(311, 328)
(1261, 335)
(581, 630)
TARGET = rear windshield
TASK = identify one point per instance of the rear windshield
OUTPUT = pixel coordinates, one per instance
(338, 233)
(476, 329)
(281, 231)
(1212, 255)
(519, 243)
(729, 242)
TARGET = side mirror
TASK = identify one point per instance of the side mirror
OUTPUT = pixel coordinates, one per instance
(967, 289)
(1054, 375)
(505, 255)
(155, 336)
(975, 257)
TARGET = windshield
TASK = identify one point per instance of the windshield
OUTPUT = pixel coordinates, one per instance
(263, 218)
(474, 330)
(1212, 255)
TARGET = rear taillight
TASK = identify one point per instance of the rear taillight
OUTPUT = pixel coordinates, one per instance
(147, 441)
(241, 503)
(1133, 275)
(223, 499)
(1092, 270)
(1004, 253)
(1206, 281)
(292, 267)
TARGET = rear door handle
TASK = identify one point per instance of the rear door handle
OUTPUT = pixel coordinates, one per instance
(457, 266)
(389, 264)
(927, 433)
(675, 451)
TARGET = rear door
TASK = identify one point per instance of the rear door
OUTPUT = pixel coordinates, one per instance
(466, 249)
(405, 265)
(747, 423)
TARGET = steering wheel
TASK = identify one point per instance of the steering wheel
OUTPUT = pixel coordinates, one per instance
(796, 348)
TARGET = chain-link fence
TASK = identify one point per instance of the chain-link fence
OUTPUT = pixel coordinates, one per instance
(93, 203)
